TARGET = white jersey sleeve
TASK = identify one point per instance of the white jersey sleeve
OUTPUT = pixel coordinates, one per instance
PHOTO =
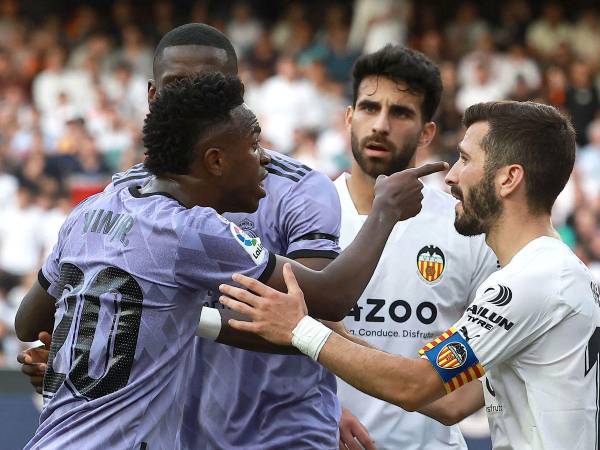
(506, 317)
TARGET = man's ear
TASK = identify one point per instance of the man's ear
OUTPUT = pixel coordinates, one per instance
(427, 134)
(151, 90)
(348, 117)
(215, 162)
(511, 179)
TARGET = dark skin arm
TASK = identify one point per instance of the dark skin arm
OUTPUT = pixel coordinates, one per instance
(250, 341)
(409, 383)
(35, 314)
(333, 291)
(38, 305)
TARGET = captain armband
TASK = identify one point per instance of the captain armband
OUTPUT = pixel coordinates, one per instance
(453, 359)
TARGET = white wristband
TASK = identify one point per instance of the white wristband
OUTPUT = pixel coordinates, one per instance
(310, 336)
(209, 325)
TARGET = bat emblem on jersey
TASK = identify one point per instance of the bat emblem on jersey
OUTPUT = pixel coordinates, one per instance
(501, 295)
(452, 356)
(431, 263)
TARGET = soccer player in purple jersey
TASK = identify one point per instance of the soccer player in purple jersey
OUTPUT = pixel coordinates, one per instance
(298, 218)
(126, 281)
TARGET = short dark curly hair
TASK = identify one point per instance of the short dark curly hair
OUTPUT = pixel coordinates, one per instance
(402, 64)
(181, 114)
(195, 34)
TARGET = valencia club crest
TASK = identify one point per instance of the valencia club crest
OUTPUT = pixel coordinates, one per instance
(431, 263)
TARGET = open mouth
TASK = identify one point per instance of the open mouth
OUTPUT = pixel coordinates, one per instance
(376, 149)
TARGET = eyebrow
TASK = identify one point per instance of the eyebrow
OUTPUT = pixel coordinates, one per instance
(462, 150)
(366, 102)
(395, 108)
(403, 109)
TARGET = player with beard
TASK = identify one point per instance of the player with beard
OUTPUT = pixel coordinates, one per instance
(533, 328)
(396, 92)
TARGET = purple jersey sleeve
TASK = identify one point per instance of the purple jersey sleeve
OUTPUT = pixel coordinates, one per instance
(310, 218)
(225, 247)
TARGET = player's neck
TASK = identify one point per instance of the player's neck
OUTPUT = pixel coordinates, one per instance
(179, 187)
(512, 232)
(361, 187)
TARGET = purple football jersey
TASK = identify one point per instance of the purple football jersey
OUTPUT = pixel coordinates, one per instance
(130, 273)
(247, 400)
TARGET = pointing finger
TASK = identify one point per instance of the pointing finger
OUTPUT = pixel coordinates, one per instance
(428, 169)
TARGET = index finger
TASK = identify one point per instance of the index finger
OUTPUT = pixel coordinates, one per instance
(429, 168)
(253, 285)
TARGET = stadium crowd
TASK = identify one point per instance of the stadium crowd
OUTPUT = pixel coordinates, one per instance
(73, 96)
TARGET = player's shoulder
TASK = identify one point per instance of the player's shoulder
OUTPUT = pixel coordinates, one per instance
(287, 174)
(136, 174)
(544, 269)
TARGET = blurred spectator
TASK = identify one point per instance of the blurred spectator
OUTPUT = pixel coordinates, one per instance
(163, 19)
(339, 58)
(484, 51)
(135, 51)
(520, 72)
(377, 23)
(333, 146)
(20, 244)
(432, 45)
(447, 117)
(465, 30)
(582, 99)
(262, 58)
(128, 91)
(96, 48)
(285, 101)
(555, 91)
(243, 28)
(282, 31)
(549, 31)
(588, 161)
(585, 37)
(514, 18)
(83, 23)
(483, 88)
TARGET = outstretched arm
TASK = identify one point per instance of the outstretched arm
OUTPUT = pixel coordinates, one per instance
(409, 383)
(457, 405)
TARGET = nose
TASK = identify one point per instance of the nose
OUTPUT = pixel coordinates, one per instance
(451, 178)
(382, 123)
(265, 158)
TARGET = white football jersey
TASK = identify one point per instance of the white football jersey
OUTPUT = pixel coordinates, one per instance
(427, 276)
(534, 326)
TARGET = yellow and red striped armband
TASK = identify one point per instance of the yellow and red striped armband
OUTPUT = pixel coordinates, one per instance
(453, 359)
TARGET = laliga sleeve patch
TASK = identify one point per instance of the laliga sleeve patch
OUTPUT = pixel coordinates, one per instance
(453, 359)
(251, 245)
